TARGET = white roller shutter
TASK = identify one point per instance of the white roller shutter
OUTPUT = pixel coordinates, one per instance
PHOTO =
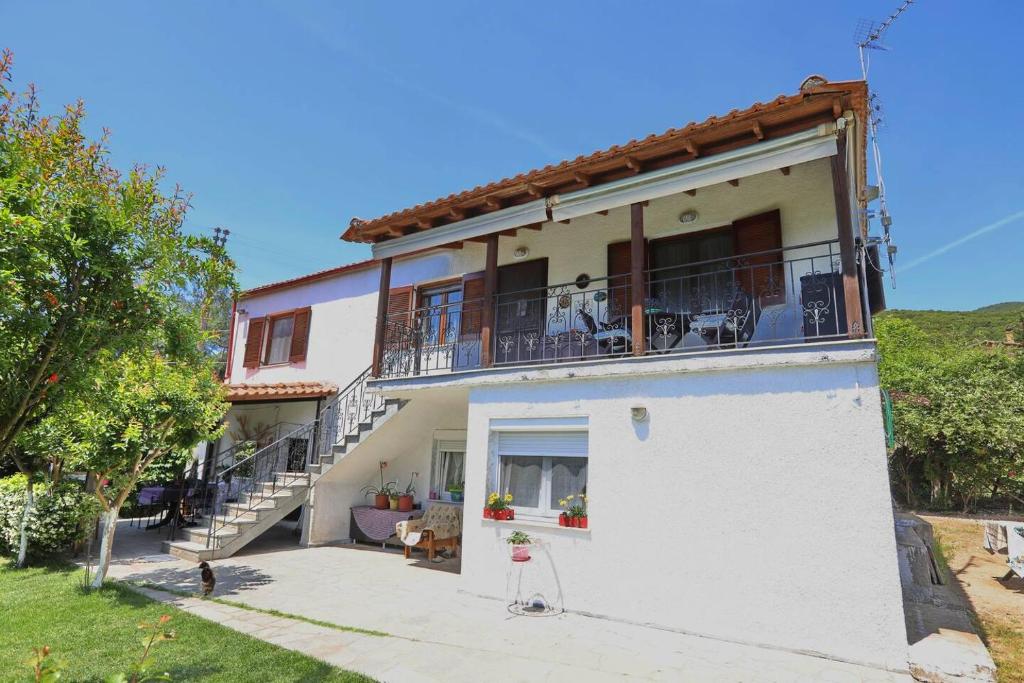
(556, 444)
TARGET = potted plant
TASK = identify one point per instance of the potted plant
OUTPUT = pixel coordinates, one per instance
(405, 500)
(520, 542)
(574, 512)
(457, 493)
(393, 495)
(498, 507)
(381, 494)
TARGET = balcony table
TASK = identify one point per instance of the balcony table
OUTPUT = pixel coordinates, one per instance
(371, 524)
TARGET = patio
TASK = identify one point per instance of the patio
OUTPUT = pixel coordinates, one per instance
(438, 632)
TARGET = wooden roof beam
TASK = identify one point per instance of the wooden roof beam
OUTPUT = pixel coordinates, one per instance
(493, 203)
(603, 212)
(692, 147)
(532, 226)
(565, 221)
(692, 193)
(584, 179)
(425, 223)
(633, 164)
(734, 183)
(785, 170)
(535, 190)
(457, 214)
(758, 131)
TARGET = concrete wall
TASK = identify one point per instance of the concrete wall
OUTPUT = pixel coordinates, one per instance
(753, 506)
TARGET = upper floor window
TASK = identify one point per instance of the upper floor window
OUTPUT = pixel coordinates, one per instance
(279, 345)
(277, 338)
(440, 311)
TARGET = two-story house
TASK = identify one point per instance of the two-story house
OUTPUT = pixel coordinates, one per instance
(677, 327)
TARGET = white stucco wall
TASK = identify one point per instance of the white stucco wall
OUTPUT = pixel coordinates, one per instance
(753, 506)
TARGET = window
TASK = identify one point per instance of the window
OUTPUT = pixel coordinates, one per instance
(691, 289)
(539, 468)
(441, 312)
(448, 469)
(280, 342)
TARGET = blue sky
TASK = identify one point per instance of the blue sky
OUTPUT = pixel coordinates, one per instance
(285, 119)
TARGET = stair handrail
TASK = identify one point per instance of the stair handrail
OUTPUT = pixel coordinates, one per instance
(351, 406)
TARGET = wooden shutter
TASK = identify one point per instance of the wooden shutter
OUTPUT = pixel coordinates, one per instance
(254, 343)
(759, 233)
(300, 335)
(472, 304)
(620, 265)
(399, 318)
(876, 281)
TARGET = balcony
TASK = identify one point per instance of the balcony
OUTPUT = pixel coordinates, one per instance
(760, 299)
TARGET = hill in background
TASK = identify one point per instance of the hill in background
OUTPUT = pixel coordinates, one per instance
(987, 322)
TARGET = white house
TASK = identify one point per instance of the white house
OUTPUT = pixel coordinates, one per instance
(677, 327)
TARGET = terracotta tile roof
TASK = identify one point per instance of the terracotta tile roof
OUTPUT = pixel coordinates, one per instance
(240, 393)
(817, 100)
(310, 277)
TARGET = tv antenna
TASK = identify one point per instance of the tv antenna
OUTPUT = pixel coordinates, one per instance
(868, 36)
(220, 236)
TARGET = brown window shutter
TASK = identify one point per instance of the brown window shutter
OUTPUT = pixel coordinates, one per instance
(762, 276)
(620, 265)
(254, 343)
(472, 304)
(300, 335)
(399, 313)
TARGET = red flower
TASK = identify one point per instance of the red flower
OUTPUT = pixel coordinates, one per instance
(50, 298)
(52, 379)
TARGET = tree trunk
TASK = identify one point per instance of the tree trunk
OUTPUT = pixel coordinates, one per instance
(30, 503)
(109, 526)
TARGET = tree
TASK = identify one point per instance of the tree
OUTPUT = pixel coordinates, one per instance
(91, 261)
(145, 406)
(959, 414)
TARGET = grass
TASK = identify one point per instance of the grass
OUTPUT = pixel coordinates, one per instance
(1004, 637)
(261, 610)
(95, 634)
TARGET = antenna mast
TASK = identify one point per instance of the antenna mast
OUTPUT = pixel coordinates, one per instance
(868, 36)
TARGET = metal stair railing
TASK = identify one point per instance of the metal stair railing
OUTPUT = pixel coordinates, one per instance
(285, 462)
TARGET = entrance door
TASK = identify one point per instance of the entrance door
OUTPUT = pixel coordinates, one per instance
(521, 310)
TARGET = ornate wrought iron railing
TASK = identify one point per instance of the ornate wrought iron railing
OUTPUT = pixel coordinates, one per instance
(787, 295)
(246, 485)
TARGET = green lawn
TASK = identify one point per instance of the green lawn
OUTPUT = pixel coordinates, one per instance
(96, 634)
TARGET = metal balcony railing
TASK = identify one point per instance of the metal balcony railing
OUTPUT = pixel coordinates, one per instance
(774, 297)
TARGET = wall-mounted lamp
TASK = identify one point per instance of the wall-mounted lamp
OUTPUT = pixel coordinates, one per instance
(242, 311)
(639, 413)
(521, 252)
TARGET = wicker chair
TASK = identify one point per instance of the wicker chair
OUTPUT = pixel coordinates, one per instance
(439, 527)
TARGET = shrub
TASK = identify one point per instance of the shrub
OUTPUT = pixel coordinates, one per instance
(57, 521)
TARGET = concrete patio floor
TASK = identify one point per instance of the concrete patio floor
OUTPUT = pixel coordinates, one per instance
(439, 633)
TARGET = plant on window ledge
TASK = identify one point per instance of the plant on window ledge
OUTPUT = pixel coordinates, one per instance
(520, 542)
(457, 492)
(498, 507)
(574, 513)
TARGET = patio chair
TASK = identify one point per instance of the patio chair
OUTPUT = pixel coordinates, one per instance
(439, 527)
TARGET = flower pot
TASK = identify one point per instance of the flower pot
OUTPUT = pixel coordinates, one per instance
(574, 522)
(488, 513)
(457, 496)
(510, 513)
(582, 521)
(563, 519)
(393, 502)
(404, 503)
(380, 501)
(520, 553)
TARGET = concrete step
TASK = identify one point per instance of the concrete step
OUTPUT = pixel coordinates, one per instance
(221, 537)
(188, 550)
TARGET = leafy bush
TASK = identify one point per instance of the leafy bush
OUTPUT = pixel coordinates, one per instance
(57, 521)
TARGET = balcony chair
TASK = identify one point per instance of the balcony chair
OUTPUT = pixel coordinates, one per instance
(439, 527)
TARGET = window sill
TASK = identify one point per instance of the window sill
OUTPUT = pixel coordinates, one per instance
(545, 525)
(275, 365)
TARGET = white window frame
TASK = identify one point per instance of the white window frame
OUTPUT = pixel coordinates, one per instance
(544, 511)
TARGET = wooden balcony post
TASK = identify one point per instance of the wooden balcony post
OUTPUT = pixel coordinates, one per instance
(487, 311)
(636, 252)
(382, 316)
(847, 246)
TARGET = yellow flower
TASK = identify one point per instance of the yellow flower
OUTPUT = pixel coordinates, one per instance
(570, 497)
(508, 497)
(563, 502)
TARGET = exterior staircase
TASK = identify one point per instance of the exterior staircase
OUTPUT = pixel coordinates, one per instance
(270, 489)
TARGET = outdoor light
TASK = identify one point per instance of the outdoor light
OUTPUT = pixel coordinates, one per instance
(639, 413)
(688, 216)
(521, 252)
